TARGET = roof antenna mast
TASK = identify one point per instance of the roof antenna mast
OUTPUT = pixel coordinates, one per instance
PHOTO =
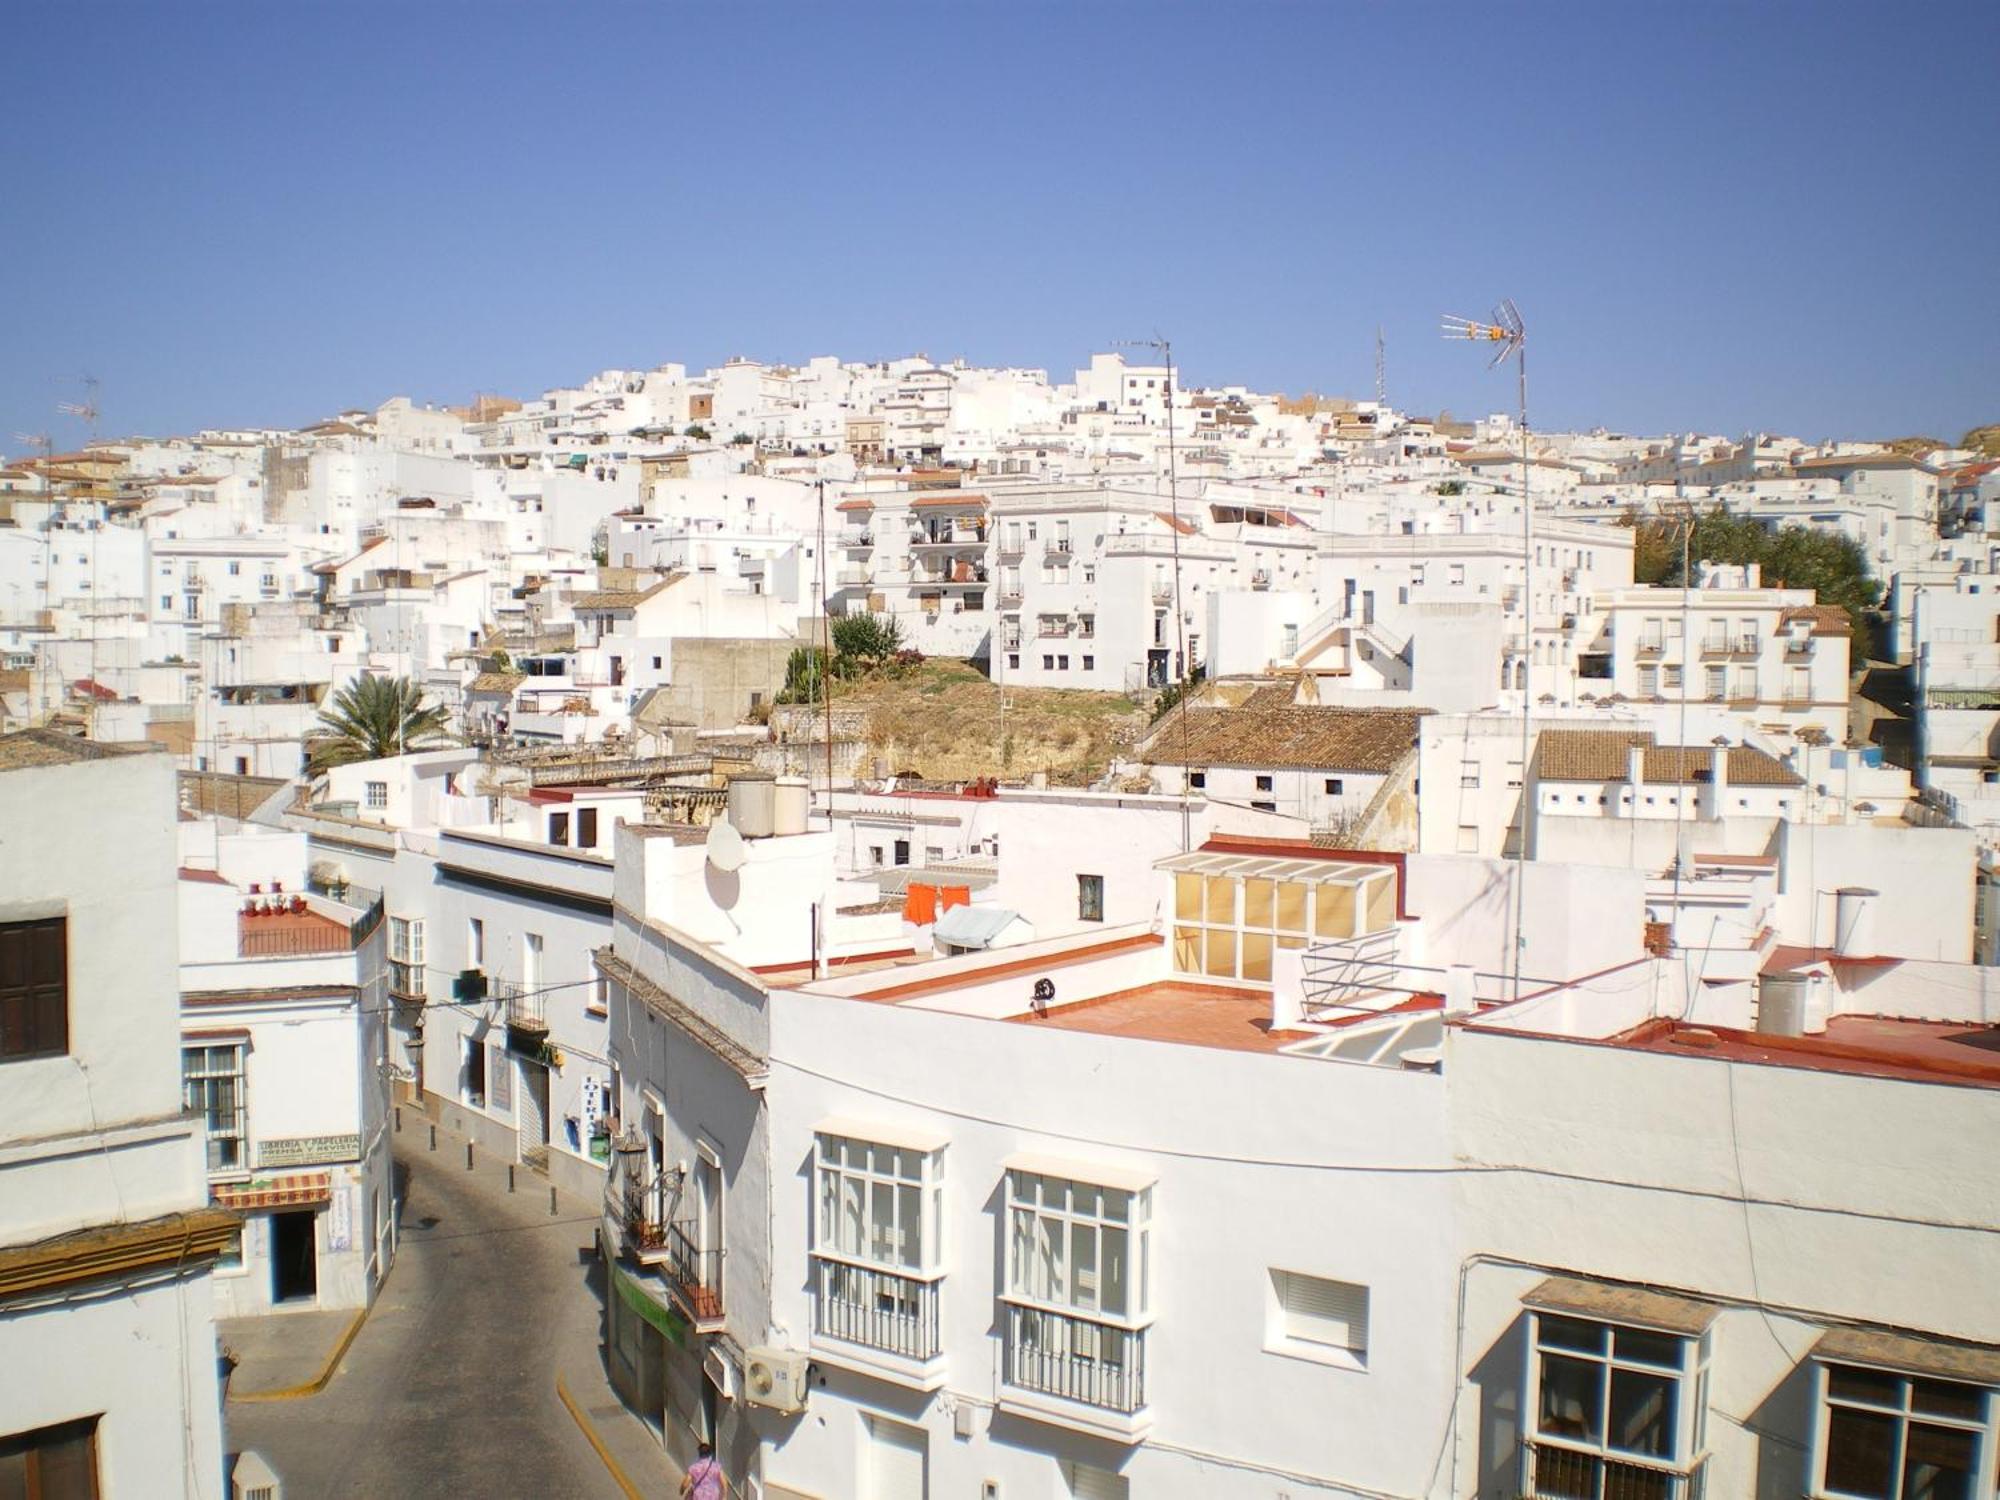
(1509, 336)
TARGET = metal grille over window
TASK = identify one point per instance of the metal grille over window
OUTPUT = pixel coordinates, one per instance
(212, 1087)
(1617, 1409)
(875, 1248)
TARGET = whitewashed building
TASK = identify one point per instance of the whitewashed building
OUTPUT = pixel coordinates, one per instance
(108, 1241)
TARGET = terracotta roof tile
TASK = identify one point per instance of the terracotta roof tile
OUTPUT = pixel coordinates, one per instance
(1602, 755)
(1826, 619)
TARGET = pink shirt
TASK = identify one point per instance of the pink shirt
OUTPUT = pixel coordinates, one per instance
(705, 1476)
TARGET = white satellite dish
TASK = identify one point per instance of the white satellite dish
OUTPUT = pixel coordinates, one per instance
(725, 846)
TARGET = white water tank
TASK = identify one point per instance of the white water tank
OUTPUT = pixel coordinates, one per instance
(1853, 921)
(1781, 1004)
(793, 803)
(753, 799)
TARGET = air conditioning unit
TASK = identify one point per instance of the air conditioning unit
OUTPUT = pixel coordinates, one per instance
(775, 1378)
(250, 1478)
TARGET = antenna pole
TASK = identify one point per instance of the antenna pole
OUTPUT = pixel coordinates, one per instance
(1527, 669)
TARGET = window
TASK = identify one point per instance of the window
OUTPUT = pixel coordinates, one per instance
(475, 944)
(1090, 664)
(1264, 783)
(375, 794)
(34, 989)
(1090, 898)
(1649, 682)
(559, 828)
(1468, 775)
(406, 956)
(1884, 1435)
(472, 1072)
(902, 851)
(212, 1086)
(1062, 663)
(1087, 1482)
(51, 1463)
(1318, 1318)
(1335, 787)
(1468, 838)
(1049, 662)
(586, 828)
(531, 961)
(872, 1201)
(1197, 779)
(235, 567)
(1611, 1407)
(1078, 1263)
(1076, 1246)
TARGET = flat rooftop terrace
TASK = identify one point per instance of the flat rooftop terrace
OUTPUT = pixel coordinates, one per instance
(1196, 1015)
(1870, 1046)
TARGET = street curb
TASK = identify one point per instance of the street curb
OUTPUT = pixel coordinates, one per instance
(319, 1382)
(618, 1475)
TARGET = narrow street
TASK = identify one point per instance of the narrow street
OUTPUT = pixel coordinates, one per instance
(449, 1389)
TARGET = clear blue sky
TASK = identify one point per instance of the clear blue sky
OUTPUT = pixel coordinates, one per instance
(1718, 217)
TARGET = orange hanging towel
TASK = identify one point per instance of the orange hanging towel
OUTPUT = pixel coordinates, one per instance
(920, 904)
(953, 895)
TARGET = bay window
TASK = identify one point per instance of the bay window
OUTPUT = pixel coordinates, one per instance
(212, 1087)
(1078, 1251)
(1896, 1418)
(406, 956)
(1617, 1394)
(878, 1217)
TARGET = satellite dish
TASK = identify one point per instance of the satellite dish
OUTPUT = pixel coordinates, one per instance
(725, 846)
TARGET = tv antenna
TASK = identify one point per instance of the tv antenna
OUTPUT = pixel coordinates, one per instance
(1508, 335)
(85, 410)
(1381, 370)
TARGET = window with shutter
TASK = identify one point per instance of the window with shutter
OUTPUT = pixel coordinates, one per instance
(34, 989)
(1327, 1314)
(1088, 1482)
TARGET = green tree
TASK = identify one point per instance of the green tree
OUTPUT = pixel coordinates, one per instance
(805, 675)
(867, 638)
(1795, 557)
(373, 718)
(1174, 692)
(696, 431)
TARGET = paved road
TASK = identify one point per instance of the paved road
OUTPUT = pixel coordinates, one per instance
(450, 1387)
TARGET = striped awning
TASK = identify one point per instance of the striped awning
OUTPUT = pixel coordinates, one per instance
(295, 1191)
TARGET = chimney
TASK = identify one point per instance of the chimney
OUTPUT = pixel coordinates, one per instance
(1635, 768)
(1715, 792)
(1753, 575)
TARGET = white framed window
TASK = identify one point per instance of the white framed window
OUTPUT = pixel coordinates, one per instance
(1611, 1406)
(375, 794)
(880, 1205)
(1317, 1318)
(406, 955)
(1090, 898)
(475, 943)
(1888, 1434)
(212, 1086)
(1077, 1246)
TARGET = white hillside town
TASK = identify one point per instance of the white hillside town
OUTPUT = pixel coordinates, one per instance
(1042, 938)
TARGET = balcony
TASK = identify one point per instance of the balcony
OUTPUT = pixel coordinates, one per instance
(696, 1274)
(276, 928)
(857, 541)
(1163, 593)
(1010, 595)
(1555, 1472)
(526, 1010)
(854, 578)
(893, 1317)
(1799, 648)
(1076, 1371)
(1261, 579)
(1655, 648)
(406, 980)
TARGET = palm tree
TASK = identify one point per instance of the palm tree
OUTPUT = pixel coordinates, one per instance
(373, 718)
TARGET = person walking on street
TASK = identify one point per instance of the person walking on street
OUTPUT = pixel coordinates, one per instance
(703, 1480)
